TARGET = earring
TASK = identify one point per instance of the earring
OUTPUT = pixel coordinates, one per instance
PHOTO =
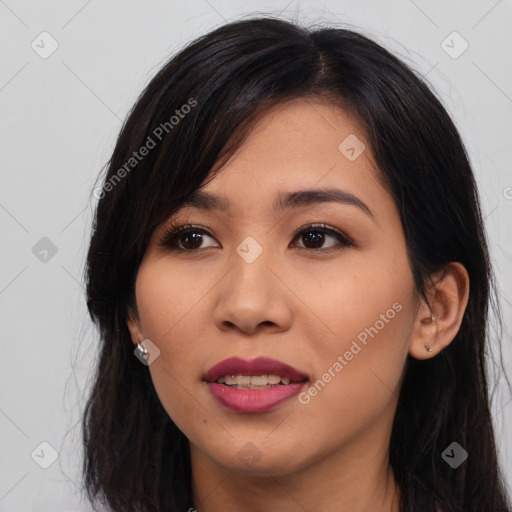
(433, 318)
(143, 351)
(428, 348)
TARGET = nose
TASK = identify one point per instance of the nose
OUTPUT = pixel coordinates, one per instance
(253, 297)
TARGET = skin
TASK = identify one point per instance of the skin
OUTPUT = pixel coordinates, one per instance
(302, 307)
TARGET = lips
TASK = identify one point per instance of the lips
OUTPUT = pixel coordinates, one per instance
(271, 384)
(255, 367)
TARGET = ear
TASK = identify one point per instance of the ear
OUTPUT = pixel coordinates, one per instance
(133, 323)
(448, 297)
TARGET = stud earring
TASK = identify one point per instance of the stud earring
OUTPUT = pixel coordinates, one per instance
(428, 348)
(143, 351)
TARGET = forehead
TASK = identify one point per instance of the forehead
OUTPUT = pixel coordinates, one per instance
(303, 144)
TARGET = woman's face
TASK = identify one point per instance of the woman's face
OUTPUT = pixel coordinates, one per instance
(251, 280)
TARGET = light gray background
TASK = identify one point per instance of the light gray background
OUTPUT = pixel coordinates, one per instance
(59, 120)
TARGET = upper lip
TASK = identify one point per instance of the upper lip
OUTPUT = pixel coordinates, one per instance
(258, 366)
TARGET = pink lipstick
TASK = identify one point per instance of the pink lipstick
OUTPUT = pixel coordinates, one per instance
(257, 385)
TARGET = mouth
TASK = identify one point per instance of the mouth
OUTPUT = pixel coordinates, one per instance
(258, 373)
(257, 385)
(255, 381)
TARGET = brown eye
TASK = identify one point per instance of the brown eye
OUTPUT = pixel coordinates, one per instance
(314, 237)
(190, 239)
(184, 238)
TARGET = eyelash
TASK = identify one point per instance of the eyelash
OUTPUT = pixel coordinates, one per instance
(170, 236)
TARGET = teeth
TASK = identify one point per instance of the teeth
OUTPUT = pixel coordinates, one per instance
(274, 379)
(254, 381)
(244, 380)
(230, 380)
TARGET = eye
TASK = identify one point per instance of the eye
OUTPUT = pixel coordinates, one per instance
(315, 235)
(184, 238)
(189, 238)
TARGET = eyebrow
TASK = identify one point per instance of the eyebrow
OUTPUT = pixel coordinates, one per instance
(285, 201)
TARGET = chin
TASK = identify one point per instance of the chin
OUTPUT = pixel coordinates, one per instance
(250, 460)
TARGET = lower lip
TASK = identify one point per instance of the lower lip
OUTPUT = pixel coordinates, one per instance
(253, 400)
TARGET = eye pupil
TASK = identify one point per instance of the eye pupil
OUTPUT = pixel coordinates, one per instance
(190, 235)
(317, 237)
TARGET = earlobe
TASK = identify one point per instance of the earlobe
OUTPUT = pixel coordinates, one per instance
(133, 324)
(437, 324)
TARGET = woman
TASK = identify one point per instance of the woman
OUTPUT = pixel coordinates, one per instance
(289, 240)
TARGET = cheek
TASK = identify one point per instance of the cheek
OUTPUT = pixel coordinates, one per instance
(169, 309)
(368, 312)
(357, 377)
(365, 297)
(164, 296)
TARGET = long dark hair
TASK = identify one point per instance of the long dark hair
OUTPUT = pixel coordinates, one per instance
(193, 115)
